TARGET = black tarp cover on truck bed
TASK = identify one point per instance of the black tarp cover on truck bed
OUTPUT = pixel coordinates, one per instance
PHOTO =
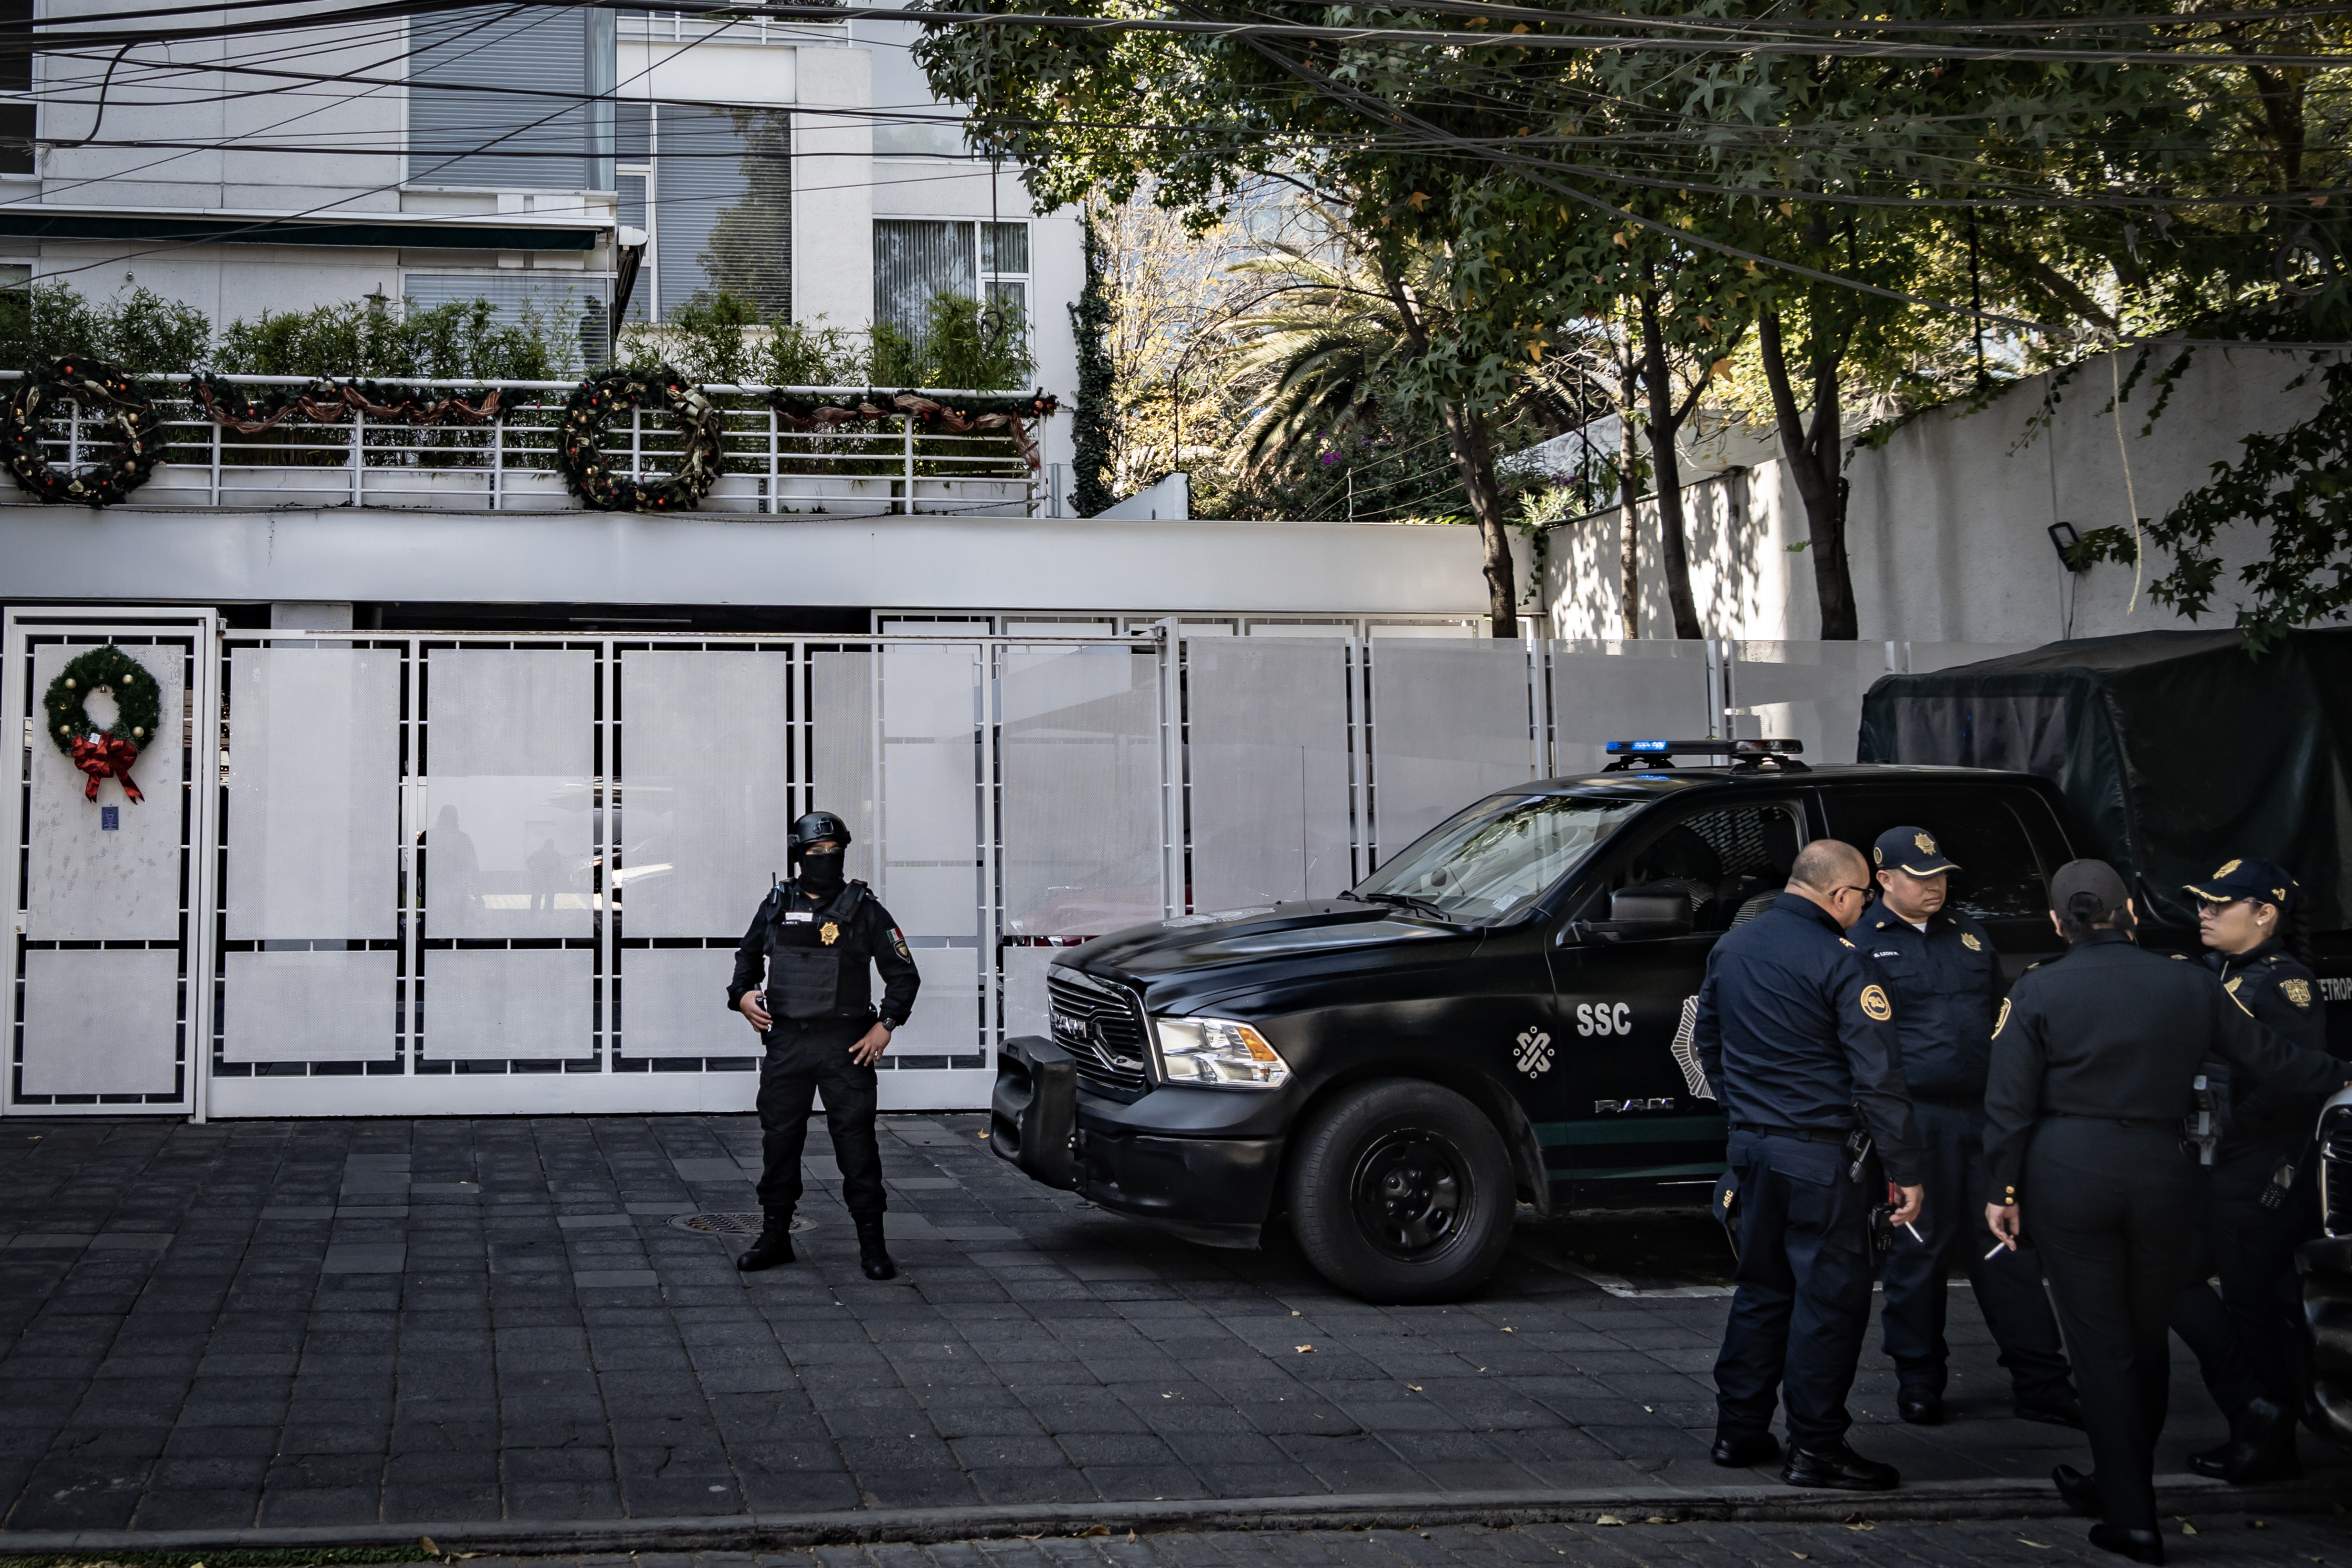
(2176, 751)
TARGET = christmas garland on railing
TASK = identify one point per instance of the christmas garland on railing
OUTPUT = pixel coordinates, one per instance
(799, 411)
(581, 457)
(326, 401)
(109, 400)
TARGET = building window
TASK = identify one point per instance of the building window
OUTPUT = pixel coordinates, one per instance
(713, 190)
(916, 259)
(16, 97)
(578, 303)
(467, 126)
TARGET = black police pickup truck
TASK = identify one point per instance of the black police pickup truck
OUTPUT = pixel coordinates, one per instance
(1501, 1014)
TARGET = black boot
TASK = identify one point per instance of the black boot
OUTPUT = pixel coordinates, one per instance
(2261, 1447)
(2081, 1491)
(872, 1256)
(2139, 1545)
(774, 1247)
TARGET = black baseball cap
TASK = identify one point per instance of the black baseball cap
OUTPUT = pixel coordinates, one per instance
(1911, 849)
(2264, 879)
(2096, 877)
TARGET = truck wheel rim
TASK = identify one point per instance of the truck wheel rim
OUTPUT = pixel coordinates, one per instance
(1409, 1190)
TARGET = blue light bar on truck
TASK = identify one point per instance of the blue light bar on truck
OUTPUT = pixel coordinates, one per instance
(1779, 754)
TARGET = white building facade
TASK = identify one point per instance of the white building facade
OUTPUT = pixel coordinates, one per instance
(519, 157)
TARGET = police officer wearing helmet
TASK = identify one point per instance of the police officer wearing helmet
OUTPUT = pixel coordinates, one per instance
(2261, 1196)
(2094, 1059)
(1794, 1030)
(1945, 980)
(814, 936)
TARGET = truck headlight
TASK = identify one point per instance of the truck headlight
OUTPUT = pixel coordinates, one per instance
(1216, 1052)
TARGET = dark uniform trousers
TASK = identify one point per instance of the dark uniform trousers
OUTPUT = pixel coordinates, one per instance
(2110, 1202)
(2250, 1341)
(2007, 1286)
(1803, 1299)
(803, 1059)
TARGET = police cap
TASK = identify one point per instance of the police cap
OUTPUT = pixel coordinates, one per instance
(2087, 890)
(817, 825)
(1910, 849)
(2237, 879)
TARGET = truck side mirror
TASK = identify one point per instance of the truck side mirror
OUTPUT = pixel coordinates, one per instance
(1638, 914)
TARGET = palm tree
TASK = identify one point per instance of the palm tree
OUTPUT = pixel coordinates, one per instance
(1320, 350)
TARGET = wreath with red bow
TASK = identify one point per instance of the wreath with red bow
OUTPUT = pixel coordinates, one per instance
(581, 453)
(110, 403)
(138, 704)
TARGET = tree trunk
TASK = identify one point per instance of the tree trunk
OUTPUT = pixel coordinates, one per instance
(1815, 457)
(1629, 481)
(1474, 457)
(1666, 471)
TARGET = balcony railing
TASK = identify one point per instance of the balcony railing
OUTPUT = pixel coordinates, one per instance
(890, 468)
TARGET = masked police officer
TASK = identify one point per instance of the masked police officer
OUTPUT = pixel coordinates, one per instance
(1947, 984)
(1794, 1030)
(814, 936)
(2094, 1059)
(2260, 1198)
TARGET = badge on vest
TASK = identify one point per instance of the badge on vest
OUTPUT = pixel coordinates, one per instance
(829, 934)
(1968, 941)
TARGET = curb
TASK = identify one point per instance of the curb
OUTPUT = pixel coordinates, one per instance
(1927, 1501)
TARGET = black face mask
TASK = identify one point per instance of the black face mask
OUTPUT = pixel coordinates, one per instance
(821, 873)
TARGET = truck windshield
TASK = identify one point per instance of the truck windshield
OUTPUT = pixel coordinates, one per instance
(1491, 861)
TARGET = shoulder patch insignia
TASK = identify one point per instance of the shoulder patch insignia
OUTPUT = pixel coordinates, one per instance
(2297, 992)
(1996, 1023)
(898, 944)
(1968, 940)
(1875, 1003)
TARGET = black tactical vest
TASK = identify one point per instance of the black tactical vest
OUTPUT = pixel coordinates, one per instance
(818, 959)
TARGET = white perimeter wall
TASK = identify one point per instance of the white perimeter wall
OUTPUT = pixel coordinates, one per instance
(1948, 522)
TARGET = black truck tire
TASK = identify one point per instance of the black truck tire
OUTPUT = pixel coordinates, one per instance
(1400, 1192)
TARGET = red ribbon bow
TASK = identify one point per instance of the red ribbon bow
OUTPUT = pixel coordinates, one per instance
(106, 756)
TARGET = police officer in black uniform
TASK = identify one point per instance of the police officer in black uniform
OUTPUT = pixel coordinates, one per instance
(814, 936)
(1945, 976)
(1795, 1031)
(2261, 1199)
(2094, 1059)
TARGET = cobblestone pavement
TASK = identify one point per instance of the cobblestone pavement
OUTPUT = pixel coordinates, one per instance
(329, 1323)
(1957, 1543)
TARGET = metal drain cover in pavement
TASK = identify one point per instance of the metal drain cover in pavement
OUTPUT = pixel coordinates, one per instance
(733, 1224)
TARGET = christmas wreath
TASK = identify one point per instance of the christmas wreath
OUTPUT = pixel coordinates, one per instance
(108, 399)
(798, 410)
(581, 457)
(108, 752)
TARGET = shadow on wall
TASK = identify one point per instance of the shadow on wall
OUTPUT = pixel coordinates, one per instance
(1743, 575)
(1948, 522)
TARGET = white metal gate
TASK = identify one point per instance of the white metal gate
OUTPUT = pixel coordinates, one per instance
(476, 874)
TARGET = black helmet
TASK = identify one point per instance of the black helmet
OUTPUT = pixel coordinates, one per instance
(815, 825)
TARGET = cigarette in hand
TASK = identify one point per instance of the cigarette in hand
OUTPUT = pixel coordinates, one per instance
(1998, 1247)
(1915, 1233)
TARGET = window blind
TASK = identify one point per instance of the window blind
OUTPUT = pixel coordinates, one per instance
(461, 135)
(915, 258)
(723, 206)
